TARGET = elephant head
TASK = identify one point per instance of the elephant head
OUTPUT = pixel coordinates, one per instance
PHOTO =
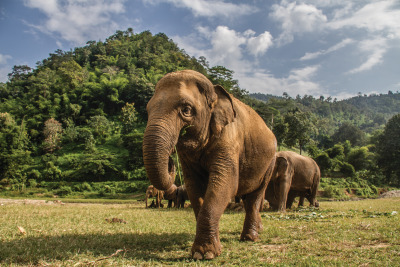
(185, 111)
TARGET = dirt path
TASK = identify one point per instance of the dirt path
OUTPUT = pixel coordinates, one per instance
(6, 201)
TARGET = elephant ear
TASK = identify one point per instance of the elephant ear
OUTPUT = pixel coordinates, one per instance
(223, 111)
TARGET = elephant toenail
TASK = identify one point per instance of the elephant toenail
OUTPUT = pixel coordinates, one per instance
(209, 255)
(197, 256)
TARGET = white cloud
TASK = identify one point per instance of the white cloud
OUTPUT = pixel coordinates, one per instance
(375, 49)
(78, 21)
(258, 45)
(204, 8)
(224, 46)
(381, 17)
(343, 43)
(4, 58)
(227, 47)
(299, 81)
(296, 19)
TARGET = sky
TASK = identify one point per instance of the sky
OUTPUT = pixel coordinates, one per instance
(336, 48)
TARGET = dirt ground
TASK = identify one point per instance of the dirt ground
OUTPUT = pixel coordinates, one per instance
(5, 201)
(394, 193)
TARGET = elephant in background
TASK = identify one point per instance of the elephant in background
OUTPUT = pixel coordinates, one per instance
(181, 196)
(294, 175)
(224, 146)
(160, 194)
(154, 192)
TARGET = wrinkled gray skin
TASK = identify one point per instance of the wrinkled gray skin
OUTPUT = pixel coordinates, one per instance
(224, 147)
(181, 196)
(294, 175)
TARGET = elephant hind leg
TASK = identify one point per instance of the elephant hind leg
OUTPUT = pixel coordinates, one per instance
(290, 199)
(301, 201)
(252, 223)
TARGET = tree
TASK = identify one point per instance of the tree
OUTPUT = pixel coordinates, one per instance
(128, 118)
(52, 133)
(15, 156)
(388, 149)
(360, 158)
(348, 131)
(300, 128)
(280, 130)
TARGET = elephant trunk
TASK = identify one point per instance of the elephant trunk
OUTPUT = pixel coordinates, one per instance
(158, 144)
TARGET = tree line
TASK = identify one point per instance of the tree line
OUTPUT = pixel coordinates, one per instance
(79, 116)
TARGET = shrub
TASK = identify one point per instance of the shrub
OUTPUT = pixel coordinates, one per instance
(64, 191)
(347, 169)
(133, 143)
(86, 187)
(32, 183)
(324, 162)
(334, 192)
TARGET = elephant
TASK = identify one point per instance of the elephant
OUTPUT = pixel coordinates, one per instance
(225, 149)
(294, 175)
(154, 192)
(181, 196)
(159, 194)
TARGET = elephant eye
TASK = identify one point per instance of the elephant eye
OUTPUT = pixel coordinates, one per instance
(187, 111)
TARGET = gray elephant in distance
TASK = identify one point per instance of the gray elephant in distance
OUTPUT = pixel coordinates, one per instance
(294, 175)
(224, 146)
(181, 196)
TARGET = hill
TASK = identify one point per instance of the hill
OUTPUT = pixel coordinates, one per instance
(79, 115)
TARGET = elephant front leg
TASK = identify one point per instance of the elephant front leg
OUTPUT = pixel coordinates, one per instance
(207, 244)
(284, 187)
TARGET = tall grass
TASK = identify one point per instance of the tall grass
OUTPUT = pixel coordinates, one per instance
(339, 233)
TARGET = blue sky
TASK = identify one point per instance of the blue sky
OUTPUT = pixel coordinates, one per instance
(316, 47)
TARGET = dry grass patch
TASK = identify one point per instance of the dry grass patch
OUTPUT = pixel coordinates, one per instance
(339, 233)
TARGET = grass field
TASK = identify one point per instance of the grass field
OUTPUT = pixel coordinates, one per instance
(353, 233)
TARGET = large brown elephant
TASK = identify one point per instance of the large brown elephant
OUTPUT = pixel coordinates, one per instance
(294, 175)
(224, 147)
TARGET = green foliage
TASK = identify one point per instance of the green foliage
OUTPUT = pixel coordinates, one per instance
(63, 191)
(128, 118)
(360, 158)
(300, 128)
(347, 169)
(349, 132)
(78, 106)
(388, 149)
(133, 142)
(324, 162)
(100, 127)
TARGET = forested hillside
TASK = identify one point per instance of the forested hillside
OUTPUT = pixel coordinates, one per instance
(79, 116)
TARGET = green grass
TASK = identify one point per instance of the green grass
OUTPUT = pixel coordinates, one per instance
(350, 233)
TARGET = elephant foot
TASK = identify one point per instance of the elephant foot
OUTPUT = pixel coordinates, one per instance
(206, 251)
(249, 236)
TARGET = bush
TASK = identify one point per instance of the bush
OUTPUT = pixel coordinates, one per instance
(86, 187)
(32, 183)
(347, 169)
(64, 191)
(34, 174)
(133, 142)
(334, 192)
